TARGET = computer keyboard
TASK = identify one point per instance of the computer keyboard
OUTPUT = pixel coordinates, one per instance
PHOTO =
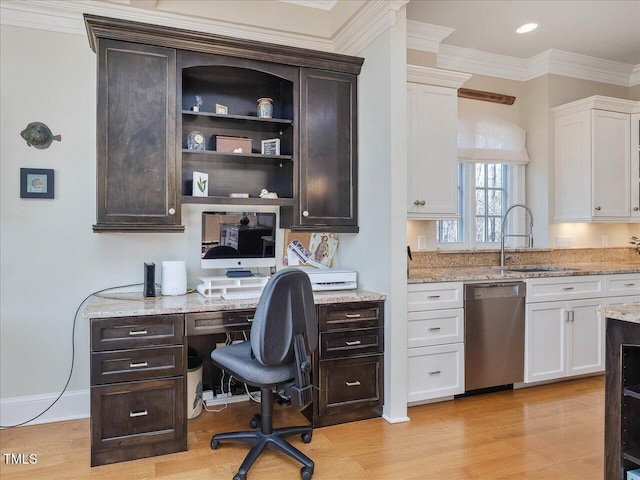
(242, 294)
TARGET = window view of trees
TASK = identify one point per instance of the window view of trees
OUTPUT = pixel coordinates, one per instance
(483, 216)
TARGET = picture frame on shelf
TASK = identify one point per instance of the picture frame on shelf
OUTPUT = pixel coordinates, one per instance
(200, 184)
(221, 109)
(270, 146)
(36, 183)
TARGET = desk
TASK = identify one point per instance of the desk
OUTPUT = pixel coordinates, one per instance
(139, 361)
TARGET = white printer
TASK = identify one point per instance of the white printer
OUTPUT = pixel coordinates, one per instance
(332, 279)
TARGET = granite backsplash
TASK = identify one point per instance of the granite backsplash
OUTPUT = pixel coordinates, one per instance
(445, 258)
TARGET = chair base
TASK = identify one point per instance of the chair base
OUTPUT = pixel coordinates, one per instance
(267, 438)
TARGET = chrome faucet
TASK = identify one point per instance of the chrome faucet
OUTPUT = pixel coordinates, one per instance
(504, 229)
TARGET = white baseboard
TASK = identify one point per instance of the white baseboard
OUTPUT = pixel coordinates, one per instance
(71, 406)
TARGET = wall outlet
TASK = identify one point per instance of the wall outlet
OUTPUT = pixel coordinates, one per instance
(563, 242)
(422, 242)
(207, 396)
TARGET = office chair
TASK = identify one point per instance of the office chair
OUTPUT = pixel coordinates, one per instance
(284, 335)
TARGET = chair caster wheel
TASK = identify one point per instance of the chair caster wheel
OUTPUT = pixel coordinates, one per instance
(306, 473)
(256, 421)
(239, 476)
(306, 438)
(214, 444)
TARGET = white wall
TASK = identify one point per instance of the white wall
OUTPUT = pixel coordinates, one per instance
(378, 252)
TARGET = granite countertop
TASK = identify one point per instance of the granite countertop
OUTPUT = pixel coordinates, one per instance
(462, 274)
(125, 304)
(627, 313)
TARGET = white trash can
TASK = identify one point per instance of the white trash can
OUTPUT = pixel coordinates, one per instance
(194, 387)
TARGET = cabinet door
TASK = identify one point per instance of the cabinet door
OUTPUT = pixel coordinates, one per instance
(585, 338)
(136, 164)
(610, 164)
(328, 152)
(432, 180)
(635, 167)
(545, 351)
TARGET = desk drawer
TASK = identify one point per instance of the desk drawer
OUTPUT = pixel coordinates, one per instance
(351, 343)
(219, 322)
(137, 419)
(353, 315)
(346, 383)
(138, 364)
(131, 332)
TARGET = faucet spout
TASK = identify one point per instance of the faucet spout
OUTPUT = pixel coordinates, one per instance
(504, 234)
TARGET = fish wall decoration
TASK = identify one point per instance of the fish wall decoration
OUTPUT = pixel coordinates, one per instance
(38, 135)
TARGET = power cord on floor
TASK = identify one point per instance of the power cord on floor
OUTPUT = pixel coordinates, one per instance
(73, 351)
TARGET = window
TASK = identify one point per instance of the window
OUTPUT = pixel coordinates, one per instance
(493, 188)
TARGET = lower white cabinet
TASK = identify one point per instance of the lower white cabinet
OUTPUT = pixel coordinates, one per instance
(435, 340)
(435, 371)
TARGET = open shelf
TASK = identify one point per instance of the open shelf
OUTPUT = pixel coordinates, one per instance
(633, 455)
(241, 118)
(237, 201)
(215, 153)
(632, 391)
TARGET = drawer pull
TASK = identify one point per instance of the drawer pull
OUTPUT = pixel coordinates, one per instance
(353, 315)
(629, 284)
(249, 319)
(435, 372)
(433, 297)
(567, 289)
(141, 413)
(133, 333)
(352, 344)
(138, 365)
(352, 384)
(434, 329)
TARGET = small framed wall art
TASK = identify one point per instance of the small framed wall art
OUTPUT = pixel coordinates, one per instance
(36, 183)
(271, 146)
(221, 109)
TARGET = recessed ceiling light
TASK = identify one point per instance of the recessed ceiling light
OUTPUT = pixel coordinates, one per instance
(527, 27)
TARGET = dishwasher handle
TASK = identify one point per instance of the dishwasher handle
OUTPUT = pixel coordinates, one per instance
(485, 291)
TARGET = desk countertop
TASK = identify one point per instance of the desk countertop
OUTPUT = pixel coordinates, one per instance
(628, 313)
(120, 304)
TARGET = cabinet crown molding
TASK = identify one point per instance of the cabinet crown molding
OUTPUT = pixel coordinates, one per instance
(436, 76)
(598, 102)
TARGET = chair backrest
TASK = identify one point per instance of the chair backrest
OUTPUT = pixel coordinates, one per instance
(285, 309)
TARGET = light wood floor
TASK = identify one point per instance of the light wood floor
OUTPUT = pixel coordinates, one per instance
(551, 432)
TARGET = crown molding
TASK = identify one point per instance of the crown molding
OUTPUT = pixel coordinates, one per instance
(426, 37)
(67, 17)
(436, 76)
(374, 18)
(597, 102)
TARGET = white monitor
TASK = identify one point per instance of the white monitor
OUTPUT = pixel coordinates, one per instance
(238, 240)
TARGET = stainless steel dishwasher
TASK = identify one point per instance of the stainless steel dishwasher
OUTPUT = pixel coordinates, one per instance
(494, 334)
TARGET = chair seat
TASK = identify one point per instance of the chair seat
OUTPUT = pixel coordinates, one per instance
(236, 359)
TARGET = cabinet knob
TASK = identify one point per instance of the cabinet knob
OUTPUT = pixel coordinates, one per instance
(598, 209)
(305, 213)
(172, 211)
(635, 209)
(417, 202)
(422, 202)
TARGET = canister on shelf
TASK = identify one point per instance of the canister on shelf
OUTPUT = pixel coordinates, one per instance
(265, 107)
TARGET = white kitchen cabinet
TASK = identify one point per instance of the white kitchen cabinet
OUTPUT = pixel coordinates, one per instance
(432, 146)
(593, 166)
(435, 341)
(635, 166)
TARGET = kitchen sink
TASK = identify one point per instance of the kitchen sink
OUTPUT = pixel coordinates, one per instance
(537, 268)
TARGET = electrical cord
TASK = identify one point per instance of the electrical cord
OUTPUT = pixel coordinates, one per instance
(73, 351)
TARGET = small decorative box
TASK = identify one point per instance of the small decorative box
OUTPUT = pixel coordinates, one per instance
(233, 144)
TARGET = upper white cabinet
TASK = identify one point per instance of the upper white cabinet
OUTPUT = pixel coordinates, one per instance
(635, 166)
(432, 108)
(596, 165)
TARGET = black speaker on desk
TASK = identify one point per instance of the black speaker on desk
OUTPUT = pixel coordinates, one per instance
(149, 279)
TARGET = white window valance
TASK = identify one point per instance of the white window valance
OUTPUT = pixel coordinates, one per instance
(486, 139)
